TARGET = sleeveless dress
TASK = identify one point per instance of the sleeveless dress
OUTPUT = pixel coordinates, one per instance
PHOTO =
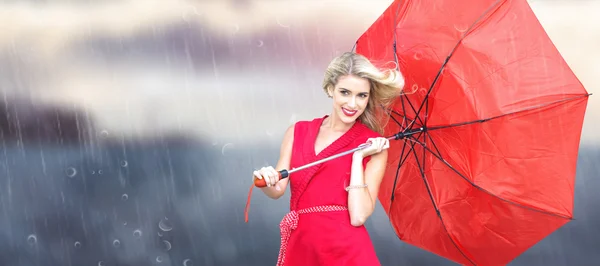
(317, 231)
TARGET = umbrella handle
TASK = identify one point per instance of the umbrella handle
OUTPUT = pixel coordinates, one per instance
(262, 183)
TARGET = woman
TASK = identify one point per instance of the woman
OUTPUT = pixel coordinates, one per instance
(330, 202)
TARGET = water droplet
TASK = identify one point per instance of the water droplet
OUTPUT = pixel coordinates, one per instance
(414, 88)
(418, 55)
(187, 262)
(227, 148)
(137, 233)
(93, 172)
(99, 172)
(159, 234)
(71, 172)
(281, 24)
(124, 163)
(124, 223)
(167, 245)
(116, 243)
(159, 259)
(32, 239)
(124, 197)
(260, 43)
(77, 244)
(165, 225)
(101, 263)
(104, 133)
(462, 27)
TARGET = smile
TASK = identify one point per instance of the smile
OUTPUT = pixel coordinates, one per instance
(348, 112)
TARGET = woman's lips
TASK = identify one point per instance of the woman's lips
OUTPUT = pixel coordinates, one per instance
(348, 112)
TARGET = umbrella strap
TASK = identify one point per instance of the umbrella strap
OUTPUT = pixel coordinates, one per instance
(247, 208)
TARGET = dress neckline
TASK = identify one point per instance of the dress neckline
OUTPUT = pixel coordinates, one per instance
(318, 123)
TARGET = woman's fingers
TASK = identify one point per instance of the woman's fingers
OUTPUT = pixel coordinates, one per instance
(269, 174)
(264, 172)
(377, 145)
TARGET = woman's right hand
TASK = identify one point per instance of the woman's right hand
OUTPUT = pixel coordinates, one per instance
(269, 174)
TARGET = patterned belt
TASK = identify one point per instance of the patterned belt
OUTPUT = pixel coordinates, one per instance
(290, 222)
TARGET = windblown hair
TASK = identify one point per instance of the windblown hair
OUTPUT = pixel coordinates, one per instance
(386, 85)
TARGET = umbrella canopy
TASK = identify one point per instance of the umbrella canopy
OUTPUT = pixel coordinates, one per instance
(498, 115)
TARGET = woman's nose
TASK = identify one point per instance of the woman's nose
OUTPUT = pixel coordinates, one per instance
(352, 102)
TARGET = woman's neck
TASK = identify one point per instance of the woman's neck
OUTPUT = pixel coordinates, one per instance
(335, 124)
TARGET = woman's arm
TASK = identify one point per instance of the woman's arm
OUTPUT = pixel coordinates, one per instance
(361, 201)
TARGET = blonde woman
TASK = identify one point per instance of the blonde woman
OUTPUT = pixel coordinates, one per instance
(330, 202)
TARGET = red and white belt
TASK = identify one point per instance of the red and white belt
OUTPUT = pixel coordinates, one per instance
(290, 223)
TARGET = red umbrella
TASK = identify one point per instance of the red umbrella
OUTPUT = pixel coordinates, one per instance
(490, 126)
(495, 117)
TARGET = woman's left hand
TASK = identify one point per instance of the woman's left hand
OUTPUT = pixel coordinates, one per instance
(377, 145)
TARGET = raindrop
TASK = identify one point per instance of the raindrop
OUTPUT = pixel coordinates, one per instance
(124, 163)
(269, 133)
(226, 148)
(93, 172)
(77, 244)
(282, 25)
(124, 223)
(159, 234)
(159, 259)
(418, 55)
(167, 245)
(260, 43)
(99, 172)
(137, 233)
(461, 27)
(124, 197)
(104, 133)
(71, 172)
(187, 262)
(101, 263)
(32, 239)
(165, 225)
(116, 243)
(414, 88)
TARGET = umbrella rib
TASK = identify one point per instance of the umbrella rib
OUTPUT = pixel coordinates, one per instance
(434, 146)
(402, 98)
(511, 113)
(486, 191)
(437, 76)
(400, 164)
(422, 171)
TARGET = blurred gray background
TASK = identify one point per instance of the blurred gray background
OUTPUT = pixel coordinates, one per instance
(130, 128)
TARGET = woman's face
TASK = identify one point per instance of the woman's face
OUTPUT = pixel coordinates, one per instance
(350, 97)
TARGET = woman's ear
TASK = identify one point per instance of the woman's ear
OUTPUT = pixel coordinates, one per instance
(330, 91)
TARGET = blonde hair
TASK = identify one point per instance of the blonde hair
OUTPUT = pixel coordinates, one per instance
(386, 85)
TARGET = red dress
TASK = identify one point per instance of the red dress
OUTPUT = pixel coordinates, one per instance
(318, 225)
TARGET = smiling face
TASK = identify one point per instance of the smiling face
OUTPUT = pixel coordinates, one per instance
(350, 98)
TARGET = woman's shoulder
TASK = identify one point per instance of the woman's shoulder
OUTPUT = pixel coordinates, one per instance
(368, 132)
(307, 123)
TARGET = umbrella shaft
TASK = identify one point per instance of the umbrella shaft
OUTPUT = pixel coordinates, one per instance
(397, 136)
